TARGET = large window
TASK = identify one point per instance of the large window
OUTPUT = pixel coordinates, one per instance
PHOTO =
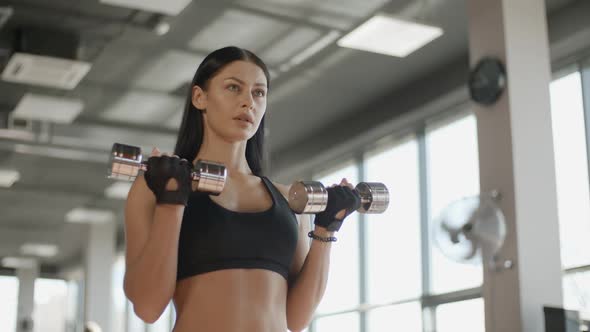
(405, 317)
(405, 281)
(8, 303)
(393, 238)
(348, 322)
(573, 198)
(453, 173)
(571, 168)
(342, 292)
(51, 297)
(463, 316)
(424, 172)
(124, 317)
(119, 299)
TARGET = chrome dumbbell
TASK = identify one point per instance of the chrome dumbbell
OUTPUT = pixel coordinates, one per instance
(126, 162)
(312, 197)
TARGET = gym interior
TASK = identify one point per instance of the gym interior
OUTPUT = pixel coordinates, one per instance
(474, 114)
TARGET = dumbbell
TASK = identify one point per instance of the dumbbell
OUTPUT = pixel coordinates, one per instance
(312, 197)
(126, 161)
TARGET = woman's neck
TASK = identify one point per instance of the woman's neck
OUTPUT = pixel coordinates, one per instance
(230, 154)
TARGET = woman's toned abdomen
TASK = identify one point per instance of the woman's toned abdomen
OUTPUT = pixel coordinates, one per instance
(231, 300)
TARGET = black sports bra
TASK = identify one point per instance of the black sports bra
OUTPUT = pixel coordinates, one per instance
(215, 238)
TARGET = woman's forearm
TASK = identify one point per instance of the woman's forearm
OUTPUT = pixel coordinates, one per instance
(151, 279)
(310, 285)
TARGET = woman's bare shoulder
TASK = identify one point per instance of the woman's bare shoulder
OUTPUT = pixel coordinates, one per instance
(283, 188)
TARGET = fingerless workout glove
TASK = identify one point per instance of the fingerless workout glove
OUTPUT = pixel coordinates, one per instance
(163, 168)
(339, 197)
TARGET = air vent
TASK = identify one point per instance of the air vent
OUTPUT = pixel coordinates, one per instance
(45, 70)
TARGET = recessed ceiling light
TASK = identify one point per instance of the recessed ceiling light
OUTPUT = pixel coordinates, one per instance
(8, 177)
(38, 249)
(19, 262)
(48, 108)
(89, 216)
(388, 35)
(118, 190)
(170, 7)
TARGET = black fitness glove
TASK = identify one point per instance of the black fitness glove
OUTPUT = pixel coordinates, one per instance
(339, 197)
(163, 168)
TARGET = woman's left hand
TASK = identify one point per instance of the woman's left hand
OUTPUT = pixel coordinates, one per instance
(342, 201)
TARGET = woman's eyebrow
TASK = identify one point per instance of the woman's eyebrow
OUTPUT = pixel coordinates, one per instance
(239, 80)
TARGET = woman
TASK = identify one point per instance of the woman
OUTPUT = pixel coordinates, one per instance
(239, 261)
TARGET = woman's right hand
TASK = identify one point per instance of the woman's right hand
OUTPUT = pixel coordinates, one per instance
(169, 178)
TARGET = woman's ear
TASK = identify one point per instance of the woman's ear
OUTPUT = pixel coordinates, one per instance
(199, 98)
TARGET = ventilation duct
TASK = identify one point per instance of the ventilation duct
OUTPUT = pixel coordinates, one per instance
(45, 57)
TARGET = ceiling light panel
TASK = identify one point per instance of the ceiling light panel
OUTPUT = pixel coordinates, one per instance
(390, 36)
(19, 263)
(48, 108)
(39, 250)
(90, 216)
(239, 28)
(293, 42)
(143, 108)
(8, 177)
(169, 71)
(170, 7)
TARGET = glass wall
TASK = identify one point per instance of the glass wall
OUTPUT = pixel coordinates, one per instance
(424, 172)
(405, 282)
(51, 298)
(453, 173)
(342, 292)
(571, 169)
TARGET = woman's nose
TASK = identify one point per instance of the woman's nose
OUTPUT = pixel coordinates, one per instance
(248, 101)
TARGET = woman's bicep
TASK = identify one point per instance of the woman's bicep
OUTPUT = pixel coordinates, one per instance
(302, 248)
(302, 245)
(139, 211)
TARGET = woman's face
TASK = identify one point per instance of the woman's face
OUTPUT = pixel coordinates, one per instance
(234, 102)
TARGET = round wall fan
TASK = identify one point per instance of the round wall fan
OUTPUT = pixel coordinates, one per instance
(471, 229)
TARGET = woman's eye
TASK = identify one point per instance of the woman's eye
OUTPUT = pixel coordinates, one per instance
(233, 87)
(259, 93)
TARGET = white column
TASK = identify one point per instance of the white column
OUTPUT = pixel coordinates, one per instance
(100, 255)
(516, 157)
(27, 274)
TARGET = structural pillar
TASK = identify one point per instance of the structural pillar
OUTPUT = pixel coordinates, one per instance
(516, 157)
(26, 274)
(100, 257)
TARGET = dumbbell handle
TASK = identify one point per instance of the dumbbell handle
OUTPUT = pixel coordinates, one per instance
(126, 163)
(195, 175)
(312, 197)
